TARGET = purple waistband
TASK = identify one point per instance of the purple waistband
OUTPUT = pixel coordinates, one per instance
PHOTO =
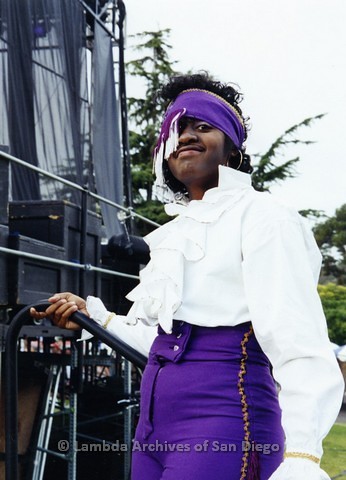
(194, 343)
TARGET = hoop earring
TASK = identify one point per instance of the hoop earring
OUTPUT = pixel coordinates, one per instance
(241, 159)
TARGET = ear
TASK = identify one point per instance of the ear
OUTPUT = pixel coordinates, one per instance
(235, 159)
(231, 156)
(230, 148)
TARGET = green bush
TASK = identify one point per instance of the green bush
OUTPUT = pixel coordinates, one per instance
(333, 299)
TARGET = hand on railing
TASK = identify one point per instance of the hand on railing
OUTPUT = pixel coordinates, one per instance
(63, 305)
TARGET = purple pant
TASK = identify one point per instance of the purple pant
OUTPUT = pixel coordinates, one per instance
(209, 408)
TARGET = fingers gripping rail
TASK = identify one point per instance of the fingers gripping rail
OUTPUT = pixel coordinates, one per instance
(11, 367)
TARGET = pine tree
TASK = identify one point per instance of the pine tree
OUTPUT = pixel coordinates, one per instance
(331, 238)
(145, 114)
(267, 169)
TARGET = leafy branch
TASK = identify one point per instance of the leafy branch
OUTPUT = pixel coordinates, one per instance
(266, 170)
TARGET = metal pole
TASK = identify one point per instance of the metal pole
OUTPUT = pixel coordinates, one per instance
(72, 460)
(56, 261)
(123, 105)
(127, 440)
(83, 235)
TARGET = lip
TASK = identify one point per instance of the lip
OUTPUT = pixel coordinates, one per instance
(188, 150)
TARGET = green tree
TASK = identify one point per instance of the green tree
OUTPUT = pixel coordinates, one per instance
(145, 114)
(333, 298)
(331, 238)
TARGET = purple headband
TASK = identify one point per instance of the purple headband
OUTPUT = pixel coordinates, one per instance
(200, 104)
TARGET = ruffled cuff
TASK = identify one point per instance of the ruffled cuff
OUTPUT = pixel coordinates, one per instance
(299, 469)
(98, 313)
(136, 335)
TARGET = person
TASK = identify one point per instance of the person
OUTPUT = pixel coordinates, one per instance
(241, 381)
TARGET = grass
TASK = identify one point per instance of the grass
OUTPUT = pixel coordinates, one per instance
(334, 445)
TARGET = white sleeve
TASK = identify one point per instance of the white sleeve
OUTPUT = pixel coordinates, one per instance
(299, 469)
(279, 274)
(139, 336)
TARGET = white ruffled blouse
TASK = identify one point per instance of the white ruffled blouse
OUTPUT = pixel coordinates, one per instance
(236, 256)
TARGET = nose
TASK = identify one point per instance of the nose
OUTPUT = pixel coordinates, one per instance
(187, 135)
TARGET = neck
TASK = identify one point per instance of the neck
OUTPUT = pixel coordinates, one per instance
(196, 192)
(197, 189)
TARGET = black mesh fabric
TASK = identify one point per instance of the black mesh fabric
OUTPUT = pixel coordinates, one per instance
(45, 107)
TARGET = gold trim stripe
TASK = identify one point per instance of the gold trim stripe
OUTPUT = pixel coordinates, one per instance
(243, 401)
(308, 456)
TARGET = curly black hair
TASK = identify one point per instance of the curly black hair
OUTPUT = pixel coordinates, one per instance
(205, 81)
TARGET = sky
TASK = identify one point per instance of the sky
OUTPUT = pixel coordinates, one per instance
(289, 60)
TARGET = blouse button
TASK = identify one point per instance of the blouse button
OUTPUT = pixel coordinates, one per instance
(179, 335)
(176, 347)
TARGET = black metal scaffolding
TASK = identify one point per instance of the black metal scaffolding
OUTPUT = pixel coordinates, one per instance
(63, 124)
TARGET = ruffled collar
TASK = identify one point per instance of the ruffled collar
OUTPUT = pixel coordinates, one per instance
(230, 182)
(230, 178)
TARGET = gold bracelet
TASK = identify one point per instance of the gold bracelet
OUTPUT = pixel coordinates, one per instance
(109, 318)
(302, 455)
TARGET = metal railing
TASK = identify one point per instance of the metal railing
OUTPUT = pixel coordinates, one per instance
(11, 375)
(129, 211)
(87, 267)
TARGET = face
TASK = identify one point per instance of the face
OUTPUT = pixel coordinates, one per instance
(202, 148)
